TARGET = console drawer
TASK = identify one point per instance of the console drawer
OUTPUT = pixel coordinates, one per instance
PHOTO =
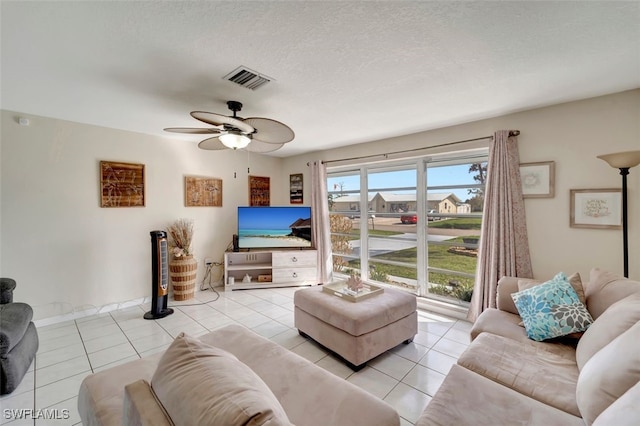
(294, 259)
(285, 275)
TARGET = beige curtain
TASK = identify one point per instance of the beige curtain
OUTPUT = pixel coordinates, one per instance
(320, 226)
(504, 245)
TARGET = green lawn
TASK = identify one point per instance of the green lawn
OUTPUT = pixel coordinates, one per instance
(459, 223)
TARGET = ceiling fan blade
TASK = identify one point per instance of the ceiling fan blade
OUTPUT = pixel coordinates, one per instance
(212, 144)
(221, 120)
(262, 147)
(270, 131)
(191, 130)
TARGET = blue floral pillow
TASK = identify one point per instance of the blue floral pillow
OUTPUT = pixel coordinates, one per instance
(551, 309)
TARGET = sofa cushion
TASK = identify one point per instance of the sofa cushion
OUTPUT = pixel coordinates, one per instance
(625, 411)
(614, 321)
(551, 309)
(201, 384)
(526, 368)
(606, 288)
(467, 398)
(611, 372)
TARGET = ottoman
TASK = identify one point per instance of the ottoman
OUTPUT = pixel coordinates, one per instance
(356, 331)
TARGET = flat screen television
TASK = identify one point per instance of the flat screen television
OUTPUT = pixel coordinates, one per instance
(274, 227)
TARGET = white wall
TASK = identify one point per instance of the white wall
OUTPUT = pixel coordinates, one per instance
(61, 246)
(572, 135)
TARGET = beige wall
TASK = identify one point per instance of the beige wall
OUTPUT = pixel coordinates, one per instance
(64, 250)
(572, 135)
(68, 253)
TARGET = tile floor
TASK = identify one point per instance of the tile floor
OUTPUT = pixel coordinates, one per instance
(406, 376)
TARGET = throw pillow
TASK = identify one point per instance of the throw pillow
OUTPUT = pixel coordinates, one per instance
(576, 283)
(575, 280)
(552, 309)
(199, 384)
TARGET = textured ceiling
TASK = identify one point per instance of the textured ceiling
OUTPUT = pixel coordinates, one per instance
(345, 72)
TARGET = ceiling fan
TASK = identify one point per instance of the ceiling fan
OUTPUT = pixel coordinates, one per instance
(256, 134)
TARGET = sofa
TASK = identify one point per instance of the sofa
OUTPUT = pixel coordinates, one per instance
(18, 338)
(228, 376)
(589, 378)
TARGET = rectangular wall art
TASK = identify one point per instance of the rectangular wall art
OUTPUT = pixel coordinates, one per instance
(121, 184)
(202, 191)
(295, 188)
(538, 179)
(259, 191)
(596, 208)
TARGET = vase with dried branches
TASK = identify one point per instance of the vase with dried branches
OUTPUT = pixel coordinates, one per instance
(183, 266)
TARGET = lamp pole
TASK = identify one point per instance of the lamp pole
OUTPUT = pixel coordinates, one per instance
(623, 161)
(624, 171)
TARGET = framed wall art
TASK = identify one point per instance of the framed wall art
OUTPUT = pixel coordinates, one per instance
(259, 191)
(200, 191)
(596, 208)
(538, 179)
(121, 184)
(295, 188)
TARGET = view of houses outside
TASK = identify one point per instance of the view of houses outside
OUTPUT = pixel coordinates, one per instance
(396, 236)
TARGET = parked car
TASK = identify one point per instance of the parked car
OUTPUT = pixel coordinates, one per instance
(409, 218)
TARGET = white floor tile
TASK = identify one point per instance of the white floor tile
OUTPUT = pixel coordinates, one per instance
(438, 361)
(426, 339)
(21, 401)
(288, 339)
(450, 347)
(59, 391)
(144, 344)
(392, 365)
(45, 359)
(335, 366)
(111, 354)
(62, 370)
(270, 329)
(98, 332)
(62, 413)
(457, 335)
(119, 362)
(373, 381)
(412, 351)
(104, 342)
(58, 343)
(310, 351)
(408, 402)
(424, 379)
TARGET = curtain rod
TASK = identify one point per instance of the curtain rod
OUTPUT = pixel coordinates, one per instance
(511, 133)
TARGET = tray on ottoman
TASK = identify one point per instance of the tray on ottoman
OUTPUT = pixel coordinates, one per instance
(341, 290)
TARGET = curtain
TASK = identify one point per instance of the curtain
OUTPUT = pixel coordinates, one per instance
(504, 245)
(320, 227)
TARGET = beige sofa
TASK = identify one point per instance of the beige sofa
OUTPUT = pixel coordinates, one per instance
(506, 378)
(193, 383)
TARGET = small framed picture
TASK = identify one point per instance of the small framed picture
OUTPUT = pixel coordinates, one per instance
(259, 191)
(538, 179)
(200, 191)
(596, 208)
(295, 188)
(121, 184)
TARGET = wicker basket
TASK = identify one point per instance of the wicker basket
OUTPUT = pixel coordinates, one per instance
(182, 271)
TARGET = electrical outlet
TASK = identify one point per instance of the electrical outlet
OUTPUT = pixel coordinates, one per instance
(208, 261)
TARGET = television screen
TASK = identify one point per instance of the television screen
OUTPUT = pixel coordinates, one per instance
(271, 227)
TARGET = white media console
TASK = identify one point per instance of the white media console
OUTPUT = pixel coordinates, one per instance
(270, 268)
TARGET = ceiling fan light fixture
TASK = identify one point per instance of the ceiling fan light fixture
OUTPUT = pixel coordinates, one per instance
(234, 140)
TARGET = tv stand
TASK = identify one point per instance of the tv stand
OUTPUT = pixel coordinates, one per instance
(270, 268)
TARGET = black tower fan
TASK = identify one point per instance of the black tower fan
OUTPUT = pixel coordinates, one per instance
(160, 276)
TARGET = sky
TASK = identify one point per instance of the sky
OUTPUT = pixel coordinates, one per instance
(271, 217)
(436, 176)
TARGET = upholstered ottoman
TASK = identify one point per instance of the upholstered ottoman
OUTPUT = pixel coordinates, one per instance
(356, 331)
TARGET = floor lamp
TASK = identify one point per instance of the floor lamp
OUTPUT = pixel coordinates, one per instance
(623, 161)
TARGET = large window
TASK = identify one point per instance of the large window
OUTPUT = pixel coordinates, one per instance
(413, 224)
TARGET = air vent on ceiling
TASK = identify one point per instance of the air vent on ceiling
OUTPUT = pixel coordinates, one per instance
(247, 78)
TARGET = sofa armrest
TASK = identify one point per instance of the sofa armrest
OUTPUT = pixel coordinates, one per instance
(506, 286)
(141, 406)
